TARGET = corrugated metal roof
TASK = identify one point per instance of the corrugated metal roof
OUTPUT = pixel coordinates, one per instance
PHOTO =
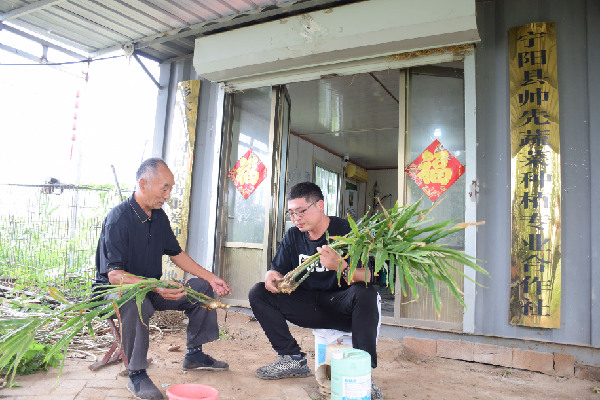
(161, 30)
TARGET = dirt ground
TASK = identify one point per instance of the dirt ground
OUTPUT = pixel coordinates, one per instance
(400, 375)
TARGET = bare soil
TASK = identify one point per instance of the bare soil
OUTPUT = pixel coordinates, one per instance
(400, 374)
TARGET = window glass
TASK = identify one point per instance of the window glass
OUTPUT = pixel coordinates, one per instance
(437, 112)
(250, 130)
(328, 181)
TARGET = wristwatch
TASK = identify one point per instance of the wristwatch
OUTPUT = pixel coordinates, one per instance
(345, 272)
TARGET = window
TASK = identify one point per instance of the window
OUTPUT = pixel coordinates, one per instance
(328, 180)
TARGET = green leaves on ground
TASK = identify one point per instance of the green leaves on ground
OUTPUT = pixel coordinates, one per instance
(35, 360)
(18, 335)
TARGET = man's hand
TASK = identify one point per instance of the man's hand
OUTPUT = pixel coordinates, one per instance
(171, 293)
(330, 259)
(220, 287)
(185, 262)
(272, 278)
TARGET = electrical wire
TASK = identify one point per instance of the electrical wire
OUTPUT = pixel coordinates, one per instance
(64, 63)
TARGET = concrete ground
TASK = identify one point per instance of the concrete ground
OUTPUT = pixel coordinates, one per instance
(75, 382)
(401, 373)
(78, 383)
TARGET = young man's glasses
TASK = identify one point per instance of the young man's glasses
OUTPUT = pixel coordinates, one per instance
(299, 213)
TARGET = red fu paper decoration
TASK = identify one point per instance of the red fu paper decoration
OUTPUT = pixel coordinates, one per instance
(435, 170)
(247, 173)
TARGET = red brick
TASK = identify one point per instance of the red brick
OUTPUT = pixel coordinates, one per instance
(533, 361)
(455, 349)
(426, 347)
(564, 364)
(589, 372)
(491, 354)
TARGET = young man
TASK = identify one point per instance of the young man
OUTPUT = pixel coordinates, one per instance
(134, 237)
(318, 302)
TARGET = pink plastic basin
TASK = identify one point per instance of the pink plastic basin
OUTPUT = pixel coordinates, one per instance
(192, 391)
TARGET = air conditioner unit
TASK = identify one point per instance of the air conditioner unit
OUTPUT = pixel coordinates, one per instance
(357, 173)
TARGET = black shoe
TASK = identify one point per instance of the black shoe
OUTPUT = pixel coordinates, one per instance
(145, 389)
(376, 393)
(285, 367)
(209, 364)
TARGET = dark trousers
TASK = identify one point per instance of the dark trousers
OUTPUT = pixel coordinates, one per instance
(202, 326)
(351, 310)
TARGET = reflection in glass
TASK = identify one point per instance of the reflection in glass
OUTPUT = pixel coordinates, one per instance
(250, 129)
(435, 111)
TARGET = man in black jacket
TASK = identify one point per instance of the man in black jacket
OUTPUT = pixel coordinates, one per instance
(319, 302)
(135, 235)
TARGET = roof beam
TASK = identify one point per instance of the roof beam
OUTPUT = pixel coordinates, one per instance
(20, 53)
(29, 8)
(42, 42)
(137, 58)
(227, 23)
(38, 60)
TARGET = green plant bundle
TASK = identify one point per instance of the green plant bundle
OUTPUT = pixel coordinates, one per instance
(403, 246)
(18, 334)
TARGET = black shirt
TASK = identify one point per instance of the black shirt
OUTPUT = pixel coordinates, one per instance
(297, 247)
(133, 242)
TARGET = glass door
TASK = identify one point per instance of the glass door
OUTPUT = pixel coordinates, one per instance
(282, 123)
(251, 167)
(435, 111)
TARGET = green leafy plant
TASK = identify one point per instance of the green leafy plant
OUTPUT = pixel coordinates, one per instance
(34, 359)
(404, 246)
(75, 317)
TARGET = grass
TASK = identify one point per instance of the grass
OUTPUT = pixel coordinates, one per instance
(49, 239)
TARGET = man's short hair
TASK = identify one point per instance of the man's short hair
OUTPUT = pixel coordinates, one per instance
(307, 190)
(148, 168)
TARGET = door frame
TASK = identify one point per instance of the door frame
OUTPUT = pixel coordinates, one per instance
(468, 317)
(274, 171)
(379, 64)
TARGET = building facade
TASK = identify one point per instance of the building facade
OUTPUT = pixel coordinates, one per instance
(372, 84)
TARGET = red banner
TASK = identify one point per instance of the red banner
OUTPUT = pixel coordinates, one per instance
(247, 173)
(435, 170)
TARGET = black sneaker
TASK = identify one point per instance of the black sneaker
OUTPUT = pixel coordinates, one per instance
(285, 367)
(209, 364)
(376, 393)
(145, 389)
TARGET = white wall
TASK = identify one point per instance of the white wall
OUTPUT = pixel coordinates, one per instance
(387, 183)
(302, 157)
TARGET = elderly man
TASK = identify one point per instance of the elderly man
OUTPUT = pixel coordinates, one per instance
(135, 235)
(318, 302)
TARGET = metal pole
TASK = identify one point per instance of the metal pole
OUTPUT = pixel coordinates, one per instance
(117, 183)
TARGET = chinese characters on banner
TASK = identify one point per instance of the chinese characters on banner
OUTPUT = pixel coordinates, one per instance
(435, 170)
(247, 173)
(535, 177)
(179, 157)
